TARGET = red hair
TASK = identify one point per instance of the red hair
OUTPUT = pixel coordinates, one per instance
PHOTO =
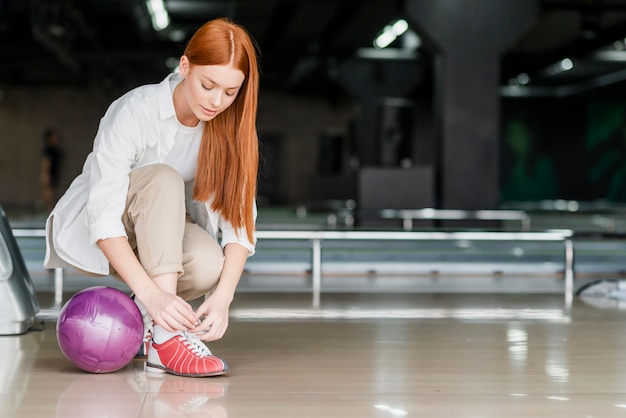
(228, 160)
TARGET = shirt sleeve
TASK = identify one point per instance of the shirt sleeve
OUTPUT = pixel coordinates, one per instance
(116, 148)
(230, 235)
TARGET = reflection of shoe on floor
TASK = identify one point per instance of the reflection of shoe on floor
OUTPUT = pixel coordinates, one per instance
(182, 354)
(173, 396)
(189, 393)
(210, 388)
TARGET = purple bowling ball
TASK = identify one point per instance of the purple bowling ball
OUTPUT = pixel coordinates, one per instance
(100, 329)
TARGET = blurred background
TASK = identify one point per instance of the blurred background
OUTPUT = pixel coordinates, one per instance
(365, 106)
(379, 103)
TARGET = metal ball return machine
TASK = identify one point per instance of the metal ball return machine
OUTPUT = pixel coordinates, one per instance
(18, 302)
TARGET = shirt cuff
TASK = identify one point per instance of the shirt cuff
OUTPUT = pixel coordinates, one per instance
(104, 230)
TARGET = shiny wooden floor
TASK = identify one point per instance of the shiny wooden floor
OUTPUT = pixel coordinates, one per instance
(358, 355)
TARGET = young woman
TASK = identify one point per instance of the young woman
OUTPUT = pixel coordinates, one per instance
(172, 165)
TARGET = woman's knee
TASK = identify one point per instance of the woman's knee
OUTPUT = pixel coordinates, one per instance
(203, 261)
(161, 177)
(205, 269)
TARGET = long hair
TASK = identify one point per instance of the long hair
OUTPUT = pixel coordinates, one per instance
(228, 160)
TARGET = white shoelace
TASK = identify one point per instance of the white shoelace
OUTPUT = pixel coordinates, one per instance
(197, 346)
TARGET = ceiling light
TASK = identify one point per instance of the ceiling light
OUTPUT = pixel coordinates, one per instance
(399, 27)
(158, 14)
(384, 39)
(390, 33)
(523, 79)
(566, 64)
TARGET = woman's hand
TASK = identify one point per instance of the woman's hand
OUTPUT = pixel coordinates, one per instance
(157, 294)
(214, 310)
(214, 316)
(170, 311)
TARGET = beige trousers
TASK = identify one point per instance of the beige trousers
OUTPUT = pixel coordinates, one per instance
(162, 235)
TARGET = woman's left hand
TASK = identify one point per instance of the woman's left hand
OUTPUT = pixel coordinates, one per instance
(214, 315)
(214, 310)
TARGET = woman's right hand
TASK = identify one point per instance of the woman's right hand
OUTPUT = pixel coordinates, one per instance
(157, 294)
(169, 311)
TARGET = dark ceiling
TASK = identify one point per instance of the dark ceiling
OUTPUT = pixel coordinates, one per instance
(112, 43)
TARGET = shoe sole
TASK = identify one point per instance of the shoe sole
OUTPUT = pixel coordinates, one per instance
(155, 368)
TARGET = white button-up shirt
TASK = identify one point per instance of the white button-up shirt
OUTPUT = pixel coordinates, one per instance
(137, 129)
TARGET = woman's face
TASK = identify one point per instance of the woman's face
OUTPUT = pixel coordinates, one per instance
(209, 89)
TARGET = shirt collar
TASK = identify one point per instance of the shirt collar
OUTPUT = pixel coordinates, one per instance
(166, 100)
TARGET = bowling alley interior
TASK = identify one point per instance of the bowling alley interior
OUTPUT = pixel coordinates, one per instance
(439, 216)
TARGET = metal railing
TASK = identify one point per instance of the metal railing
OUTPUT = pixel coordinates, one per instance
(317, 237)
